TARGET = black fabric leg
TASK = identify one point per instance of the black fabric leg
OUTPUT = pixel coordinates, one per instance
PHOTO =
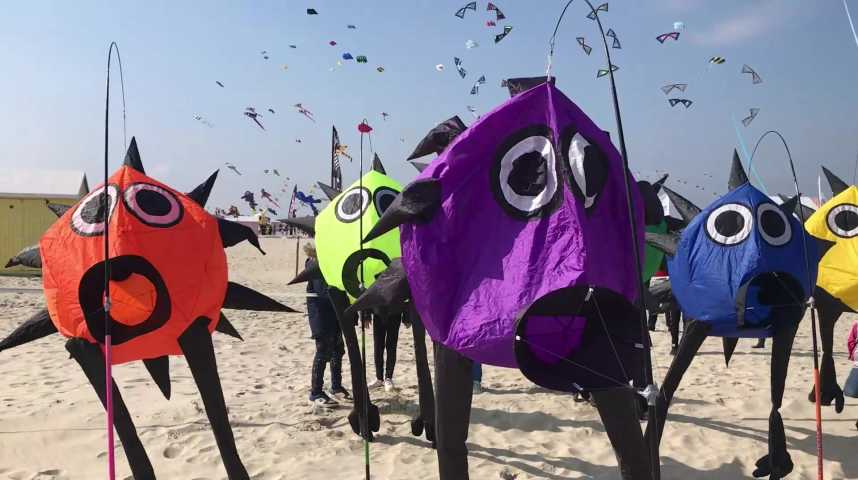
(652, 320)
(320, 360)
(196, 344)
(91, 360)
(390, 343)
(426, 395)
(829, 389)
(616, 407)
(360, 425)
(378, 340)
(453, 392)
(337, 363)
(673, 315)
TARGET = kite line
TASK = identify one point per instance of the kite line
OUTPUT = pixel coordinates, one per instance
(851, 24)
(365, 393)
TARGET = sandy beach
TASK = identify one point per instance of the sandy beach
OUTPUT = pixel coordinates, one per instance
(52, 425)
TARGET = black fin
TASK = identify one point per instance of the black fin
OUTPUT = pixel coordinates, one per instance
(790, 206)
(666, 242)
(377, 165)
(673, 224)
(522, 84)
(58, 208)
(159, 368)
(837, 185)
(227, 328)
(417, 203)
(305, 224)
(686, 209)
(201, 193)
(196, 344)
(233, 233)
(420, 166)
(239, 297)
(36, 327)
(28, 257)
(132, 157)
(311, 271)
(738, 177)
(439, 137)
(729, 347)
(660, 182)
(653, 210)
(328, 190)
(390, 289)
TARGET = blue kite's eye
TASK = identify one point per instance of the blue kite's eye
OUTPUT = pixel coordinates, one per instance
(773, 225)
(843, 220)
(730, 224)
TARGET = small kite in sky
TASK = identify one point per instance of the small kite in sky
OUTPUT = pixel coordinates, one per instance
(587, 48)
(610, 33)
(361, 59)
(202, 120)
(717, 60)
(298, 140)
(664, 36)
(470, 6)
(473, 111)
(232, 167)
(250, 113)
(250, 199)
(491, 23)
(601, 8)
(273, 170)
(754, 76)
(439, 67)
(271, 211)
(379, 69)
(308, 200)
(491, 7)
(476, 88)
(384, 116)
(271, 110)
(304, 111)
(674, 86)
(332, 43)
(348, 56)
(264, 54)
(458, 62)
(341, 149)
(679, 26)
(312, 11)
(351, 27)
(268, 197)
(218, 83)
(293, 46)
(684, 101)
(750, 118)
(502, 35)
(603, 71)
(471, 44)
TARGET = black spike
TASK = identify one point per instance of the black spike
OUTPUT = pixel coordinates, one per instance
(666, 242)
(653, 210)
(377, 165)
(738, 177)
(686, 209)
(390, 289)
(227, 328)
(28, 257)
(159, 368)
(201, 193)
(439, 137)
(36, 327)
(420, 166)
(729, 347)
(58, 209)
(790, 206)
(311, 271)
(674, 224)
(837, 185)
(417, 203)
(132, 157)
(660, 182)
(305, 224)
(328, 190)
(239, 297)
(233, 233)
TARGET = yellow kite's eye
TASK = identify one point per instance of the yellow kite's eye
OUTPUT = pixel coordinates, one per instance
(843, 220)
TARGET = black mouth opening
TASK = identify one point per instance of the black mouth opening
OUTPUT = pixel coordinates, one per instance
(580, 338)
(770, 297)
(91, 297)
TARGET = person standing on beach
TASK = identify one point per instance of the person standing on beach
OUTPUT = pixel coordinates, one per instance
(329, 340)
(385, 332)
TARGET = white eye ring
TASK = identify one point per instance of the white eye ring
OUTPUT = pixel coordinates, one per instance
(832, 220)
(172, 216)
(737, 237)
(348, 217)
(576, 154)
(781, 239)
(527, 204)
(82, 226)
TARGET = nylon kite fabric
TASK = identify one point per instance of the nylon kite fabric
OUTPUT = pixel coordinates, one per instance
(836, 221)
(653, 257)
(338, 234)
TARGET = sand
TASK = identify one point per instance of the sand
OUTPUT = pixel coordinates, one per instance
(52, 425)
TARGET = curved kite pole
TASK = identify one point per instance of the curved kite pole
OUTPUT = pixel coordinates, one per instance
(800, 211)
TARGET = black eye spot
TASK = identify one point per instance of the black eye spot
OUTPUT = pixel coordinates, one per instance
(772, 223)
(351, 205)
(846, 220)
(91, 215)
(843, 220)
(153, 203)
(729, 223)
(384, 196)
(586, 166)
(94, 210)
(528, 175)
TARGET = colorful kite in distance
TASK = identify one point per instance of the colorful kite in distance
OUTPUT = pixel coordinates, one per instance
(264, 54)
(271, 211)
(304, 111)
(473, 111)
(754, 76)
(250, 113)
(268, 197)
(379, 69)
(603, 71)
(384, 116)
(491, 23)
(612, 34)
(501, 36)
(439, 67)
(471, 44)
(717, 60)
(232, 167)
(312, 11)
(273, 170)
(491, 7)
(361, 59)
(470, 6)
(351, 27)
(218, 83)
(249, 198)
(679, 26)
(332, 43)
(458, 63)
(476, 88)
(271, 110)
(750, 118)
(348, 56)
(202, 120)
(664, 36)
(601, 8)
(684, 101)
(674, 86)
(587, 48)
(293, 46)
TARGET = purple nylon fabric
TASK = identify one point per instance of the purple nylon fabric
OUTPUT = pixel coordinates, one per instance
(475, 267)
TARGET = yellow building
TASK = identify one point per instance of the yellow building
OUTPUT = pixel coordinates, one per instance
(24, 217)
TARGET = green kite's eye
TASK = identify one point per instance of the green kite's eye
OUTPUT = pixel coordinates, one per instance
(352, 204)
(383, 198)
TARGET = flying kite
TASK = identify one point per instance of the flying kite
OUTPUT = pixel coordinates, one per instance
(587, 48)
(664, 36)
(750, 118)
(250, 113)
(469, 44)
(202, 120)
(348, 56)
(273, 171)
(384, 116)
(473, 111)
(232, 167)
(717, 60)
(755, 78)
(308, 200)
(684, 101)
(491, 23)
(379, 69)
(303, 111)
(248, 197)
(271, 211)
(351, 27)
(458, 63)
(476, 88)
(271, 110)
(267, 196)
(293, 46)
(361, 59)
(218, 83)
(168, 279)
(603, 71)
(610, 33)
(502, 35)
(332, 43)
(674, 86)
(736, 270)
(298, 140)
(679, 26)
(439, 67)
(312, 11)
(264, 54)
(498, 14)
(470, 6)
(601, 8)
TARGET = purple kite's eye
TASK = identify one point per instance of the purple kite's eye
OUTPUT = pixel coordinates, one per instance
(524, 177)
(88, 219)
(587, 168)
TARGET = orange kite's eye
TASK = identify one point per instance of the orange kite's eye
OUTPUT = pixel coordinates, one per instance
(153, 205)
(88, 218)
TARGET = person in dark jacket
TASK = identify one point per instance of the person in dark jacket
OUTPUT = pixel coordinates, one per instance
(329, 340)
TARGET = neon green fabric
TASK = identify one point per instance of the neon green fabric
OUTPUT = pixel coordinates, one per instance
(342, 224)
(653, 256)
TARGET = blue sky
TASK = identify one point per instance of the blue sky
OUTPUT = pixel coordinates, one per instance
(173, 52)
